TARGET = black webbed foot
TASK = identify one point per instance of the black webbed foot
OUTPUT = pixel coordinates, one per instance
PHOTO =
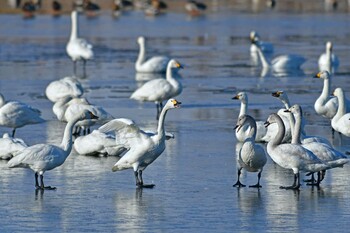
(238, 184)
(255, 186)
(148, 186)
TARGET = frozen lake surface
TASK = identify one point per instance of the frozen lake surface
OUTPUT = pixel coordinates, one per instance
(194, 175)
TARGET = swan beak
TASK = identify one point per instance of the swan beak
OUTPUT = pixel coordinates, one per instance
(179, 66)
(287, 110)
(93, 116)
(235, 97)
(176, 103)
(318, 75)
(238, 127)
(277, 93)
(266, 124)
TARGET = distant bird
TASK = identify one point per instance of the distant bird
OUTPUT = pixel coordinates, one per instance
(154, 7)
(159, 90)
(15, 114)
(144, 149)
(291, 156)
(64, 87)
(90, 8)
(120, 5)
(266, 47)
(281, 63)
(328, 61)
(78, 48)
(195, 8)
(44, 157)
(156, 64)
(56, 7)
(251, 156)
(29, 8)
(10, 146)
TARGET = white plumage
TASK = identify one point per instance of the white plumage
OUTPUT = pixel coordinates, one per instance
(340, 122)
(44, 157)
(266, 47)
(156, 64)
(10, 146)
(14, 114)
(328, 60)
(143, 147)
(65, 87)
(251, 156)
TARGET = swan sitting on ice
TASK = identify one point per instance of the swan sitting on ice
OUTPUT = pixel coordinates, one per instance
(78, 48)
(251, 156)
(328, 60)
(65, 87)
(14, 114)
(10, 147)
(157, 64)
(144, 149)
(291, 156)
(44, 157)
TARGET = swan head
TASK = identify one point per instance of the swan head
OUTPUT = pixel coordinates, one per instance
(172, 103)
(242, 96)
(295, 109)
(254, 36)
(329, 46)
(175, 64)
(338, 92)
(281, 95)
(273, 118)
(141, 40)
(243, 120)
(2, 100)
(323, 74)
(86, 115)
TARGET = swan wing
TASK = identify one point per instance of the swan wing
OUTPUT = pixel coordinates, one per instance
(153, 90)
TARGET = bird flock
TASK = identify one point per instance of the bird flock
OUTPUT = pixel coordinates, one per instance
(287, 143)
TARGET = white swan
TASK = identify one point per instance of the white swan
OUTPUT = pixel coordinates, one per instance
(291, 156)
(158, 90)
(326, 105)
(68, 86)
(98, 143)
(78, 48)
(144, 149)
(251, 156)
(340, 122)
(328, 60)
(281, 63)
(14, 114)
(244, 131)
(266, 47)
(157, 64)
(44, 157)
(60, 107)
(323, 151)
(10, 147)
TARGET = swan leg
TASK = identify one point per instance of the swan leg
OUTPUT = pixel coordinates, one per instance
(312, 179)
(238, 183)
(257, 185)
(42, 186)
(159, 109)
(139, 180)
(75, 67)
(296, 183)
(13, 132)
(84, 68)
(37, 186)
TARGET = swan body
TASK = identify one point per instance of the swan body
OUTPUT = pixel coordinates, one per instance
(325, 105)
(266, 47)
(281, 63)
(64, 87)
(158, 90)
(98, 143)
(243, 133)
(143, 148)
(251, 156)
(10, 146)
(60, 107)
(44, 157)
(340, 122)
(195, 8)
(291, 156)
(328, 60)
(157, 64)
(78, 48)
(14, 114)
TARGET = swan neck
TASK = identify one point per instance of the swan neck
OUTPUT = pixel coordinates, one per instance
(142, 54)
(296, 129)
(244, 107)
(74, 29)
(263, 59)
(252, 131)
(280, 133)
(326, 88)
(341, 105)
(2, 100)
(67, 141)
(160, 130)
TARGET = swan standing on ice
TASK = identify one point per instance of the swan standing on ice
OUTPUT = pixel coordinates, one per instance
(65, 87)
(10, 147)
(328, 60)
(78, 48)
(266, 47)
(340, 122)
(243, 133)
(291, 156)
(157, 64)
(144, 149)
(158, 90)
(14, 114)
(281, 63)
(251, 156)
(44, 157)
(326, 153)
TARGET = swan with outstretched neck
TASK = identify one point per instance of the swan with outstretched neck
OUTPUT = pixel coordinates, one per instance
(251, 156)
(44, 157)
(143, 149)
(328, 60)
(156, 64)
(291, 156)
